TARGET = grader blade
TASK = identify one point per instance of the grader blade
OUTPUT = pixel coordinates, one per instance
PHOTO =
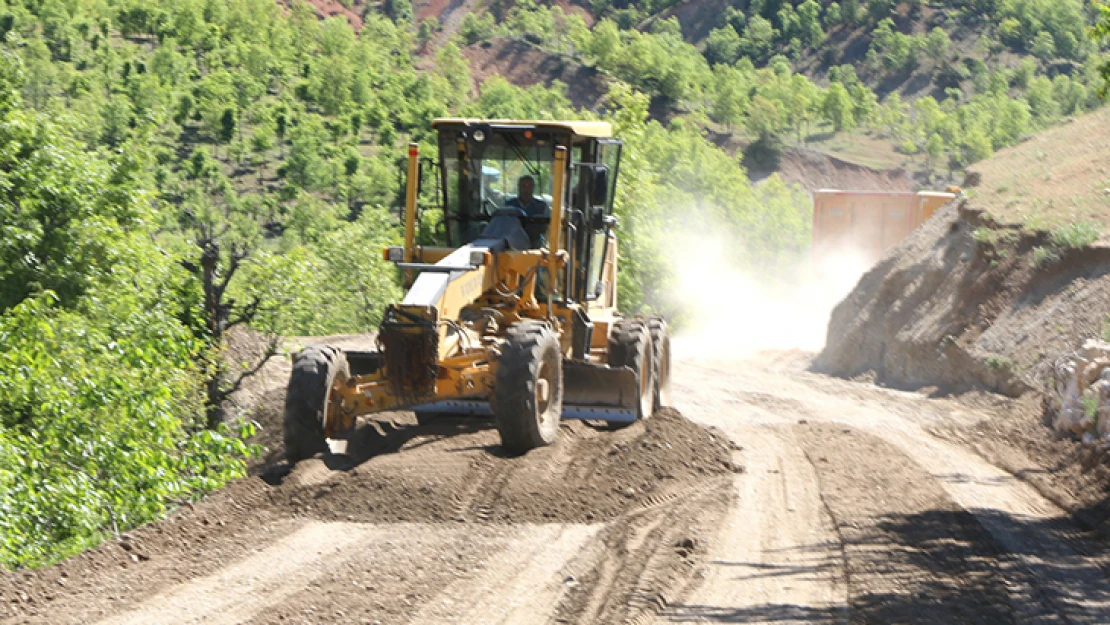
(599, 393)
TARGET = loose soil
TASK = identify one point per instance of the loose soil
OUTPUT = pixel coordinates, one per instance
(868, 505)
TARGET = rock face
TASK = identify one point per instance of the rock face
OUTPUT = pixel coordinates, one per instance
(966, 303)
(1081, 404)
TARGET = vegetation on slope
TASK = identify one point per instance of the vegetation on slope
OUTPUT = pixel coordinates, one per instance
(782, 69)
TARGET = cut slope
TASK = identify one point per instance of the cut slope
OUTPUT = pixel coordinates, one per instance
(972, 301)
(950, 309)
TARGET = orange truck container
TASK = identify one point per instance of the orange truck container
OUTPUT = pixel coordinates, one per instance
(868, 223)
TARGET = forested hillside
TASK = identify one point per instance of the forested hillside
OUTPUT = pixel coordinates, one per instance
(936, 85)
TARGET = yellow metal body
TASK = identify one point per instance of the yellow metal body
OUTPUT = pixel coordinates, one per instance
(499, 292)
(410, 200)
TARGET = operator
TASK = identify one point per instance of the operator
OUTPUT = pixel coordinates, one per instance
(532, 206)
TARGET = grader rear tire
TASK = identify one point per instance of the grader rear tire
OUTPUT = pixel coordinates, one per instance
(630, 346)
(528, 397)
(314, 370)
(661, 360)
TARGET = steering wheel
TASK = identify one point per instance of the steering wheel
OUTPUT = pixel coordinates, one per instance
(489, 207)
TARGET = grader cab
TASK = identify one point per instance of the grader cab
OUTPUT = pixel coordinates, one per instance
(515, 316)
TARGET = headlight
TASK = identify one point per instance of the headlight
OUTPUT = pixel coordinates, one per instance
(478, 135)
(395, 253)
(478, 258)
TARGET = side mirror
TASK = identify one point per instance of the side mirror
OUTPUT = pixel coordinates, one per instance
(597, 218)
(599, 185)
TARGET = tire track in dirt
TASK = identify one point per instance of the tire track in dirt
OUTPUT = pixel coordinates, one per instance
(1050, 572)
(377, 536)
(520, 582)
(237, 592)
(647, 559)
(776, 557)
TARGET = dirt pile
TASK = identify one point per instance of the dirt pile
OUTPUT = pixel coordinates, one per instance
(967, 303)
(454, 471)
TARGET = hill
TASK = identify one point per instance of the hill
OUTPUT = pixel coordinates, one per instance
(929, 88)
(1055, 179)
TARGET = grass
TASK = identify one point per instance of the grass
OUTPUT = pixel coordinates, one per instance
(1002, 364)
(1044, 256)
(859, 148)
(994, 237)
(1058, 181)
(1079, 234)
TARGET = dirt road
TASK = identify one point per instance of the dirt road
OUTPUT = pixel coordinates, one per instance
(818, 501)
(857, 507)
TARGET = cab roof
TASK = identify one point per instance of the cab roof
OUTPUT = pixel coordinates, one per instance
(595, 130)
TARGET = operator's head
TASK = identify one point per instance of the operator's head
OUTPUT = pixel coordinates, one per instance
(525, 187)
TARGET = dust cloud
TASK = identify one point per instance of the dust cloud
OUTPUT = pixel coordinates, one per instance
(729, 311)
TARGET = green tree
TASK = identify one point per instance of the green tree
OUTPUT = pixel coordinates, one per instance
(758, 37)
(1044, 46)
(1102, 30)
(809, 22)
(730, 98)
(764, 118)
(429, 26)
(722, 45)
(934, 150)
(937, 44)
(838, 108)
(475, 28)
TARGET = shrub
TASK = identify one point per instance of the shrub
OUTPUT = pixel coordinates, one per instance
(1079, 234)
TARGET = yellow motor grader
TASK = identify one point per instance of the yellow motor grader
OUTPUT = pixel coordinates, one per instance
(515, 316)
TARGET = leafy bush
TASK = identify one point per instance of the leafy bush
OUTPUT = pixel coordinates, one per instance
(98, 428)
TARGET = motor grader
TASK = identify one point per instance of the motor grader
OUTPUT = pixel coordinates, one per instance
(514, 314)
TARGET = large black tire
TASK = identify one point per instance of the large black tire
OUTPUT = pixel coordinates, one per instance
(630, 346)
(661, 360)
(314, 370)
(528, 393)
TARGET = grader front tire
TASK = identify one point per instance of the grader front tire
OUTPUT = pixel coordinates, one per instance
(528, 396)
(314, 370)
(630, 346)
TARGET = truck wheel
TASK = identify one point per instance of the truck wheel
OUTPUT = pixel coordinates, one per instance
(630, 346)
(661, 360)
(528, 392)
(315, 368)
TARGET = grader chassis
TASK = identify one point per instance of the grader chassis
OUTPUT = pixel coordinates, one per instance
(516, 316)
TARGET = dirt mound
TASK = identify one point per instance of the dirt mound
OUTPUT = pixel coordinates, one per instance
(524, 65)
(454, 470)
(966, 303)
